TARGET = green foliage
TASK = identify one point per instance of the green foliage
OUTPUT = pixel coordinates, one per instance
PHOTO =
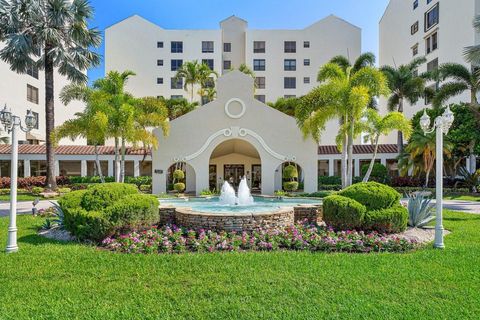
(286, 105)
(330, 180)
(64, 190)
(72, 200)
(379, 172)
(87, 225)
(145, 187)
(179, 186)
(208, 192)
(290, 185)
(178, 175)
(37, 190)
(389, 220)
(133, 212)
(101, 196)
(343, 213)
(290, 172)
(469, 180)
(420, 211)
(372, 195)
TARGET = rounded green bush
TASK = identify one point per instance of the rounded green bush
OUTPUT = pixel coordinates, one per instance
(290, 172)
(372, 195)
(37, 190)
(178, 174)
(87, 225)
(71, 200)
(64, 190)
(343, 213)
(100, 196)
(391, 220)
(290, 186)
(179, 186)
(379, 172)
(134, 212)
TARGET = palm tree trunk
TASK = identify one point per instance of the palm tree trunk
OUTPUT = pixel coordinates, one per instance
(117, 164)
(191, 93)
(372, 163)
(344, 162)
(49, 119)
(97, 163)
(350, 154)
(400, 133)
(122, 165)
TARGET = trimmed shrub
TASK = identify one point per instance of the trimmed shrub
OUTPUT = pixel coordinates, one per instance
(179, 186)
(64, 190)
(178, 175)
(391, 220)
(372, 195)
(145, 188)
(87, 225)
(379, 172)
(101, 196)
(37, 190)
(290, 172)
(343, 213)
(290, 185)
(134, 212)
(71, 200)
(329, 180)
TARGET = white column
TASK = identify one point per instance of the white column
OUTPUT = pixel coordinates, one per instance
(331, 167)
(383, 161)
(110, 168)
(439, 189)
(26, 168)
(12, 226)
(83, 168)
(136, 168)
(57, 168)
(357, 167)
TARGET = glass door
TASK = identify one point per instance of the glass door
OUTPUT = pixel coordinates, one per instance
(233, 173)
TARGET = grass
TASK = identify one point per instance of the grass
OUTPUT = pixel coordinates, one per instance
(52, 280)
(463, 197)
(20, 197)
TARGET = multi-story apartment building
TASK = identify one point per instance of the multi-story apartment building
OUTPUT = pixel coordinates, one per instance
(22, 92)
(285, 62)
(436, 29)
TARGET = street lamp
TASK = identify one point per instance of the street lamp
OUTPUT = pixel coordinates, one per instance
(442, 124)
(11, 124)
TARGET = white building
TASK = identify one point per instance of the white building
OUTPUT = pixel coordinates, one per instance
(285, 62)
(438, 30)
(22, 92)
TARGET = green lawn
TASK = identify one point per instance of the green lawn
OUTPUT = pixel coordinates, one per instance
(50, 280)
(462, 197)
(20, 197)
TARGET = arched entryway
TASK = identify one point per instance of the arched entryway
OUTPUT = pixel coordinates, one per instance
(189, 177)
(233, 159)
(283, 174)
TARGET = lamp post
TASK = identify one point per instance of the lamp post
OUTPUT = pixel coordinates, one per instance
(441, 124)
(12, 123)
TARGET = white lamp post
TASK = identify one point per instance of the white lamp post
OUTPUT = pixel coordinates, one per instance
(442, 124)
(12, 123)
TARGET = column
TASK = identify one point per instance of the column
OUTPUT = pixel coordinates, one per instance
(383, 161)
(83, 168)
(26, 168)
(357, 167)
(57, 168)
(331, 167)
(268, 178)
(136, 168)
(110, 168)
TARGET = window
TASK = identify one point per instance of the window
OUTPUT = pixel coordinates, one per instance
(259, 64)
(159, 44)
(260, 97)
(176, 83)
(160, 62)
(289, 82)
(289, 64)
(415, 4)
(432, 17)
(207, 46)
(32, 94)
(415, 50)
(306, 80)
(432, 65)
(32, 71)
(306, 44)
(177, 47)
(289, 96)
(428, 1)
(227, 65)
(290, 46)
(431, 43)
(258, 46)
(208, 62)
(306, 62)
(414, 28)
(159, 80)
(227, 47)
(176, 64)
(176, 96)
(260, 82)
(35, 116)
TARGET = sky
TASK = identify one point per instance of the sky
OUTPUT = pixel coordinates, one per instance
(260, 14)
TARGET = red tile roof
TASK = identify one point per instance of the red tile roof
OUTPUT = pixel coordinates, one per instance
(359, 149)
(69, 150)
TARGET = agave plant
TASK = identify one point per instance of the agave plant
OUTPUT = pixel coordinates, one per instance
(469, 180)
(420, 210)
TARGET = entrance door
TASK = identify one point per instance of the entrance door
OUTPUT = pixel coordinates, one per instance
(256, 177)
(233, 173)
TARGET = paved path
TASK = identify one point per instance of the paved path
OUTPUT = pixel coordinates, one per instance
(25, 207)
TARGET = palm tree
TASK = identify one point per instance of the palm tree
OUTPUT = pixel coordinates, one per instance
(472, 53)
(344, 95)
(48, 35)
(177, 107)
(376, 126)
(405, 85)
(245, 69)
(286, 105)
(194, 73)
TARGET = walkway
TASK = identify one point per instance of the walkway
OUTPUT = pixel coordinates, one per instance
(23, 207)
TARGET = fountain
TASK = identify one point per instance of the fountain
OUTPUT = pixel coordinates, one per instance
(228, 197)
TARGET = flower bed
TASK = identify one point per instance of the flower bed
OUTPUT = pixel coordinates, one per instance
(171, 239)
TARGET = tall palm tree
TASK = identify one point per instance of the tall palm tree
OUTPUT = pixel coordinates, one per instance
(405, 85)
(47, 35)
(286, 105)
(472, 53)
(342, 95)
(193, 73)
(376, 126)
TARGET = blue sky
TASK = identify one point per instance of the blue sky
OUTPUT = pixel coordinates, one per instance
(260, 14)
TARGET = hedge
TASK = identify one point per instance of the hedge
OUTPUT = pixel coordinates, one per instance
(372, 195)
(391, 220)
(290, 185)
(343, 213)
(134, 212)
(104, 195)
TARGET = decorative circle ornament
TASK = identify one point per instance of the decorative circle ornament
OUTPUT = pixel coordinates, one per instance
(233, 102)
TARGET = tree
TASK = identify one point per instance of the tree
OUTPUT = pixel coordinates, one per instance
(343, 93)
(405, 85)
(472, 53)
(177, 107)
(375, 126)
(245, 69)
(47, 35)
(194, 73)
(286, 105)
